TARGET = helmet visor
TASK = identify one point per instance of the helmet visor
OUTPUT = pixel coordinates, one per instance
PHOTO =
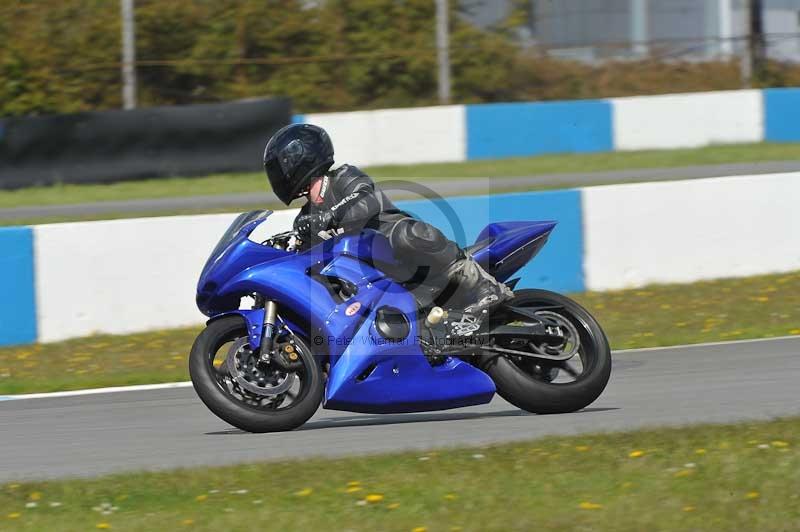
(279, 180)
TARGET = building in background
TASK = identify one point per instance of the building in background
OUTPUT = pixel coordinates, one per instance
(596, 30)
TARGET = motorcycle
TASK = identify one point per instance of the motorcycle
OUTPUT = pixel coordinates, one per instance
(292, 327)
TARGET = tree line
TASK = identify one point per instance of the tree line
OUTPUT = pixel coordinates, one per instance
(61, 56)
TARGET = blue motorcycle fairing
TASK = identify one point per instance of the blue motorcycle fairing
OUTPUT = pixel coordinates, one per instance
(367, 372)
(304, 300)
(352, 269)
(504, 248)
(375, 375)
(369, 246)
(213, 296)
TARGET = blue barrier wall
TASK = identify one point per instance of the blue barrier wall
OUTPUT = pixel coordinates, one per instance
(559, 266)
(781, 115)
(17, 298)
(522, 129)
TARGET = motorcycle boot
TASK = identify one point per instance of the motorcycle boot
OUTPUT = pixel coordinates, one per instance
(479, 289)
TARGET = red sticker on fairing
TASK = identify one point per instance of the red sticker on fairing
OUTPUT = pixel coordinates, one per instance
(352, 309)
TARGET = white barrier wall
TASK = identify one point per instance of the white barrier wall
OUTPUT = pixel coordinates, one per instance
(684, 231)
(447, 134)
(688, 120)
(124, 276)
(396, 136)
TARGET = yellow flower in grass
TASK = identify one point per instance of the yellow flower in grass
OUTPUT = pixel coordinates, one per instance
(35, 496)
(752, 495)
(419, 529)
(201, 498)
(393, 506)
(688, 509)
(590, 506)
(582, 448)
(451, 497)
(352, 489)
(700, 451)
(353, 483)
(780, 444)
(103, 526)
(14, 515)
(635, 454)
(373, 498)
(684, 473)
(304, 492)
(794, 331)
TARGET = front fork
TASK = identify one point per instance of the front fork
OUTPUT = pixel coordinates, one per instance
(263, 324)
(268, 337)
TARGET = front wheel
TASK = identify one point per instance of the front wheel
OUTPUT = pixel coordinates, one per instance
(550, 387)
(259, 398)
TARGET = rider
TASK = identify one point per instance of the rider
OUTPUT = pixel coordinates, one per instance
(298, 161)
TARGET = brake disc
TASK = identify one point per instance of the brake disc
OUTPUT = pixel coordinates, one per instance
(243, 367)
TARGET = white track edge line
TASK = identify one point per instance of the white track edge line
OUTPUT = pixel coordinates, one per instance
(707, 344)
(94, 391)
(186, 384)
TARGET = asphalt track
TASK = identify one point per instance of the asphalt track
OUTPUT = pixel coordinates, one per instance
(166, 428)
(441, 187)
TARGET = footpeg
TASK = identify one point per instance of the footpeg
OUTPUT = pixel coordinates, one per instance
(435, 316)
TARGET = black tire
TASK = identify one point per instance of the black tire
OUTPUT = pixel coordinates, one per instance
(238, 413)
(540, 397)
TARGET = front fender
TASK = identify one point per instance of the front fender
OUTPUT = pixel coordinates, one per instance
(254, 321)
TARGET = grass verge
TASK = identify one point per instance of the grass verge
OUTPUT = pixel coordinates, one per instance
(727, 477)
(544, 164)
(729, 309)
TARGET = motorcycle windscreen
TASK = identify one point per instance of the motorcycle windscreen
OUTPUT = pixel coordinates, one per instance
(232, 231)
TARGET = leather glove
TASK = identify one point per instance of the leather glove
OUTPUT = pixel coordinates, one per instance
(309, 225)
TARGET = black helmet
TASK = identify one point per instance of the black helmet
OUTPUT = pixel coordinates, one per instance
(294, 156)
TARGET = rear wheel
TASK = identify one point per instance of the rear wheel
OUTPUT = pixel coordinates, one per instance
(550, 387)
(259, 398)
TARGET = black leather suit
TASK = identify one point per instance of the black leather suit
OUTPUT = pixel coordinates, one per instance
(356, 203)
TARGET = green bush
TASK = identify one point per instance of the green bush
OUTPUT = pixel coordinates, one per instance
(63, 56)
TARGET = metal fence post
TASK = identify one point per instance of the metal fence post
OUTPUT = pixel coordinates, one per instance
(128, 55)
(443, 50)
